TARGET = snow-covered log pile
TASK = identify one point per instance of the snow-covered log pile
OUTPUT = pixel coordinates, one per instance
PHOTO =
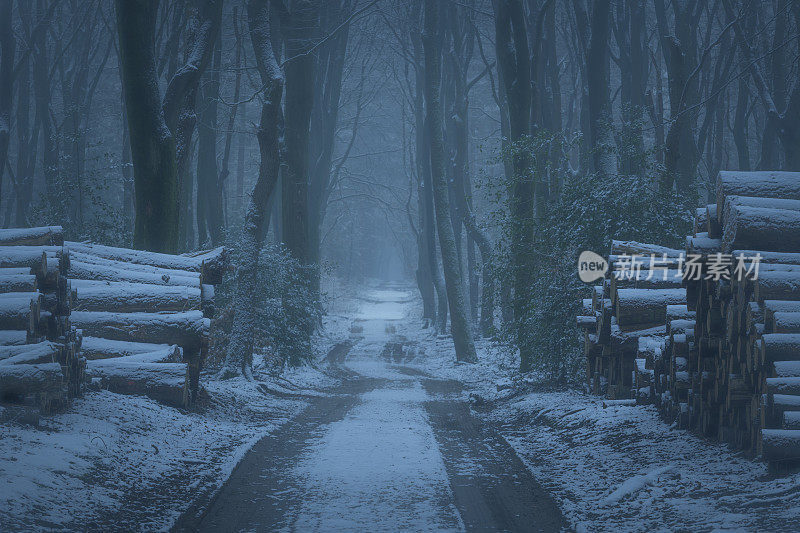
(725, 360)
(742, 362)
(40, 361)
(625, 317)
(145, 317)
(129, 321)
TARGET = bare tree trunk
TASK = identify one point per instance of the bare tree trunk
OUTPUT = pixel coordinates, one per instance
(27, 133)
(180, 101)
(240, 350)
(425, 193)
(679, 49)
(324, 119)
(740, 126)
(514, 70)
(240, 157)
(462, 334)
(8, 44)
(597, 69)
(209, 199)
(224, 171)
(159, 160)
(152, 143)
(300, 30)
(128, 204)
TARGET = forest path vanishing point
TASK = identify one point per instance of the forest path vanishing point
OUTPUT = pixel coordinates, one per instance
(391, 449)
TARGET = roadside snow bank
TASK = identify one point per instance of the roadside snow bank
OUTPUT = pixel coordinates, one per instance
(116, 462)
(615, 467)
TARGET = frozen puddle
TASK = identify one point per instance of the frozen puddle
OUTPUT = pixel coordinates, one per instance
(379, 467)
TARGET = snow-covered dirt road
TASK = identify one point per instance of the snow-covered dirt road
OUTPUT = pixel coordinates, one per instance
(391, 449)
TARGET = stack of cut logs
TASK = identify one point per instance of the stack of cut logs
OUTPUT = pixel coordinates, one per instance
(727, 363)
(140, 320)
(627, 311)
(40, 362)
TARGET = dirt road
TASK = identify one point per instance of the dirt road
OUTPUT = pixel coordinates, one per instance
(392, 449)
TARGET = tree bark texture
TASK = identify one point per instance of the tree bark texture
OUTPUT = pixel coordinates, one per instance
(459, 320)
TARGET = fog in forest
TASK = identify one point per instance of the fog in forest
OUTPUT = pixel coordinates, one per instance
(363, 219)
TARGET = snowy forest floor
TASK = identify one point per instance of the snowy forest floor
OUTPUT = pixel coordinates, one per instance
(389, 417)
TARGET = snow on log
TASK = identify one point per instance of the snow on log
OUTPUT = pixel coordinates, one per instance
(763, 184)
(43, 352)
(17, 283)
(649, 279)
(634, 484)
(646, 306)
(14, 271)
(211, 264)
(775, 267)
(779, 306)
(680, 325)
(786, 402)
(783, 322)
(587, 323)
(683, 378)
(188, 330)
(13, 337)
(20, 310)
(46, 235)
(97, 348)
(642, 262)
(640, 248)
(780, 347)
(786, 369)
(780, 444)
(753, 201)
(791, 420)
(713, 227)
(120, 265)
(9, 351)
(760, 227)
(128, 297)
(92, 271)
(771, 258)
(164, 382)
(171, 354)
(700, 220)
(31, 257)
(651, 346)
(777, 285)
(783, 385)
(678, 311)
(28, 379)
(702, 244)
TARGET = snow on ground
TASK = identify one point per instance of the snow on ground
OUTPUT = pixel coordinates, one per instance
(130, 463)
(615, 469)
(394, 478)
(354, 477)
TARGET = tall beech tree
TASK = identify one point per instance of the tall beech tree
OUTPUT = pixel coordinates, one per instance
(459, 318)
(152, 143)
(300, 19)
(514, 71)
(256, 220)
(160, 133)
(7, 49)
